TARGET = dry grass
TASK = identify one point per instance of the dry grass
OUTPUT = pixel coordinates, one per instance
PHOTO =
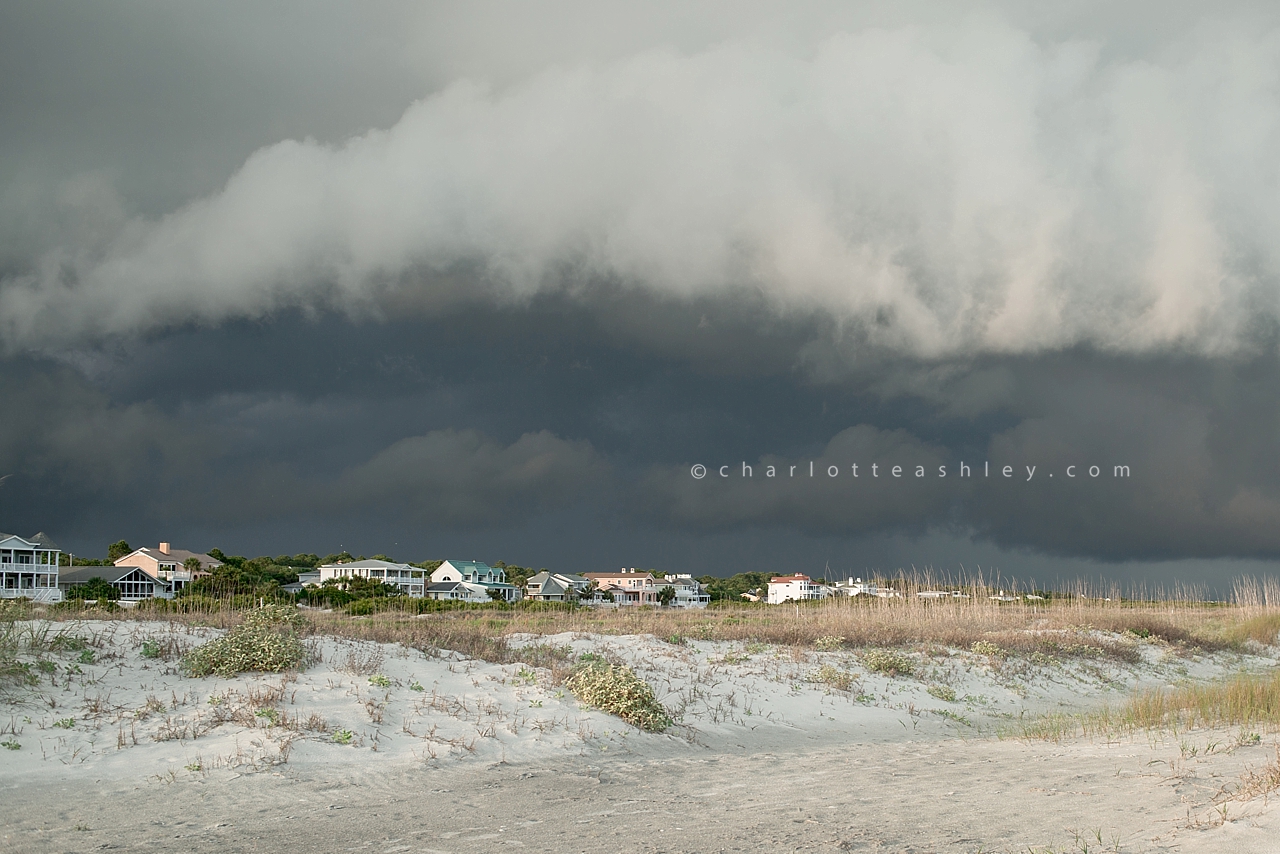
(1246, 700)
(1084, 625)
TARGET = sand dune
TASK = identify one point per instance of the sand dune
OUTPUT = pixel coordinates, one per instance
(381, 747)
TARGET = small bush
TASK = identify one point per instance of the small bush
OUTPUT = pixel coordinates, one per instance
(377, 680)
(267, 641)
(985, 648)
(827, 643)
(150, 649)
(841, 680)
(343, 736)
(888, 662)
(616, 689)
(943, 692)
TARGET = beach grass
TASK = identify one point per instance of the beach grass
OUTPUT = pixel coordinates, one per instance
(1097, 623)
(1246, 700)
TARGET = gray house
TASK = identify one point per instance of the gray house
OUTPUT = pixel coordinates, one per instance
(134, 583)
(556, 587)
(29, 568)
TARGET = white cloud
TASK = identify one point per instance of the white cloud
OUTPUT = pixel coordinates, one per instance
(938, 192)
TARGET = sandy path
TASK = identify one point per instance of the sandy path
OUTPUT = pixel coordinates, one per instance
(944, 795)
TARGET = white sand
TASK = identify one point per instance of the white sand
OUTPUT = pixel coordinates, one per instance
(461, 755)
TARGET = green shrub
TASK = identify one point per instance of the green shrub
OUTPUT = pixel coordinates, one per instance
(985, 648)
(888, 662)
(841, 680)
(827, 643)
(267, 641)
(943, 692)
(616, 689)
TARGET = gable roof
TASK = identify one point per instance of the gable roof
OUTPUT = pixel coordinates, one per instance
(178, 556)
(45, 542)
(85, 574)
(18, 542)
(469, 566)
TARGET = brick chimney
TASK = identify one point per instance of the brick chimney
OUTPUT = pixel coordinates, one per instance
(164, 548)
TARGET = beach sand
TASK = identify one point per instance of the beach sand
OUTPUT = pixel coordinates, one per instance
(383, 748)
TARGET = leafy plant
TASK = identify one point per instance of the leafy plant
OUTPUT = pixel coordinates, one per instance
(985, 648)
(86, 657)
(150, 649)
(616, 689)
(888, 662)
(841, 680)
(10, 744)
(343, 736)
(943, 692)
(380, 681)
(828, 642)
(65, 723)
(415, 685)
(267, 641)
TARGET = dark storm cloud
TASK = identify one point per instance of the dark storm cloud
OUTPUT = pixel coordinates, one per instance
(1198, 439)
(462, 478)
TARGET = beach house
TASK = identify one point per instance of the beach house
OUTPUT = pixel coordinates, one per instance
(556, 587)
(133, 582)
(29, 568)
(856, 587)
(169, 565)
(471, 581)
(409, 580)
(798, 588)
(632, 587)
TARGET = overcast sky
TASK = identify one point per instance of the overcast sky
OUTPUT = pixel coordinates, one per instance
(487, 280)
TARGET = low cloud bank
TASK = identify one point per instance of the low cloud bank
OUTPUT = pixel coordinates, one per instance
(935, 192)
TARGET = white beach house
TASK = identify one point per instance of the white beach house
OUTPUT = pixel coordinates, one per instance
(409, 580)
(798, 588)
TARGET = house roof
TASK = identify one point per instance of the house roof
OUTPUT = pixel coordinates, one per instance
(443, 586)
(45, 542)
(22, 542)
(370, 563)
(85, 574)
(787, 579)
(178, 556)
(469, 566)
(618, 575)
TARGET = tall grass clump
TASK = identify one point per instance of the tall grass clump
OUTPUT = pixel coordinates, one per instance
(616, 689)
(1245, 700)
(267, 641)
